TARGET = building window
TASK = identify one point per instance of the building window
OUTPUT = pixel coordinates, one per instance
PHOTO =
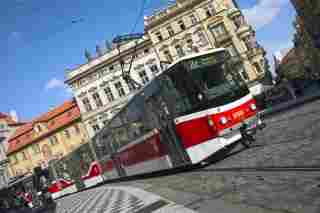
(219, 30)
(146, 51)
(77, 128)
(38, 128)
(242, 72)
(105, 122)
(238, 21)
(257, 67)
(168, 55)
(170, 31)
(120, 89)
(210, 11)
(111, 68)
(109, 94)
(67, 133)
(247, 43)
(181, 25)
(232, 50)
(131, 85)
(14, 159)
(35, 148)
(180, 51)
(154, 68)
(193, 19)
(144, 77)
(97, 99)
(87, 104)
(202, 38)
(159, 36)
(22, 156)
(95, 128)
(53, 140)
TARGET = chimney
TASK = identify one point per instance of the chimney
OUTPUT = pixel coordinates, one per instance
(13, 115)
(108, 46)
(87, 55)
(98, 50)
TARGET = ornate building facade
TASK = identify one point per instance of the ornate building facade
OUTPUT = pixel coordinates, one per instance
(196, 25)
(98, 85)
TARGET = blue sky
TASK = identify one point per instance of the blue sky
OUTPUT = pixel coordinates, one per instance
(40, 39)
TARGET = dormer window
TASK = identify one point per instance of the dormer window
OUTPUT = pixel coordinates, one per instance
(210, 11)
(38, 128)
(159, 36)
(181, 25)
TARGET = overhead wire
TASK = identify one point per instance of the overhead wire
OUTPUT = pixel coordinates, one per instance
(126, 73)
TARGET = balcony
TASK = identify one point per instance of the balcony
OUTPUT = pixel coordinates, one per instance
(244, 30)
(222, 38)
(234, 12)
(255, 51)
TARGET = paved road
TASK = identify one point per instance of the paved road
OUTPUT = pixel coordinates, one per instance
(291, 139)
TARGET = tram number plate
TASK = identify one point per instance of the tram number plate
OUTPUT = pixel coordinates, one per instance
(239, 114)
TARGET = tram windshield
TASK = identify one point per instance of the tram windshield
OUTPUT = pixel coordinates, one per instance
(204, 81)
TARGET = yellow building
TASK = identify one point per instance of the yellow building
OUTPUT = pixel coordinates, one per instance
(50, 136)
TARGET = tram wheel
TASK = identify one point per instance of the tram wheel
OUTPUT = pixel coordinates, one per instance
(247, 141)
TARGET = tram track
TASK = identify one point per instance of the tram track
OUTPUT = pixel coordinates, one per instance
(264, 169)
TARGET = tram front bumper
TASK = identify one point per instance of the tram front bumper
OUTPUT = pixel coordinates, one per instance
(247, 127)
(251, 128)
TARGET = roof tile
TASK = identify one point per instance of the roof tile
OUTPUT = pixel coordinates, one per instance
(62, 115)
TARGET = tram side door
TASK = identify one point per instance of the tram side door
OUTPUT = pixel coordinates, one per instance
(157, 108)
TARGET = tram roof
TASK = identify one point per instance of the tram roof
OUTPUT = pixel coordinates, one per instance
(193, 55)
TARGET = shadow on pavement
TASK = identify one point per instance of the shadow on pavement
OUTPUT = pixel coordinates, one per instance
(47, 209)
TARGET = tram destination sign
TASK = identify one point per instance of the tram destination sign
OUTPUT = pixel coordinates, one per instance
(206, 60)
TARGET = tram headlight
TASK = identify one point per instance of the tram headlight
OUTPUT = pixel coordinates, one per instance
(253, 107)
(223, 120)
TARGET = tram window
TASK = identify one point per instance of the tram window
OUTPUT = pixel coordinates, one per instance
(175, 95)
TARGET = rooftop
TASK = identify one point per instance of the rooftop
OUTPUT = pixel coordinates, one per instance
(9, 119)
(62, 116)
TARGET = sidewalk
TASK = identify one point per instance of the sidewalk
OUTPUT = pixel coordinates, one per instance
(290, 104)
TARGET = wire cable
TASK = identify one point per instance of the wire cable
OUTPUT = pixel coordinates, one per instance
(140, 14)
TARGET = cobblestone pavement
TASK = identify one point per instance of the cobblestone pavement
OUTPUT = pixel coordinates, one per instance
(108, 199)
(290, 139)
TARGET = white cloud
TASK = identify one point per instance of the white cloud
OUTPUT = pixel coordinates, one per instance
(54, 84)
(264, 12)
(60, 88)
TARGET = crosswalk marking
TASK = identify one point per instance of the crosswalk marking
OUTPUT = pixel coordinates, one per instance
(92, 203)
(101, 200)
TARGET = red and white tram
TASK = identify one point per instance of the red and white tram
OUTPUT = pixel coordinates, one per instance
(196, 107)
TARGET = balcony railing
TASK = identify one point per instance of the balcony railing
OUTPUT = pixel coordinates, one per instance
(223, 38)
(258, 50)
